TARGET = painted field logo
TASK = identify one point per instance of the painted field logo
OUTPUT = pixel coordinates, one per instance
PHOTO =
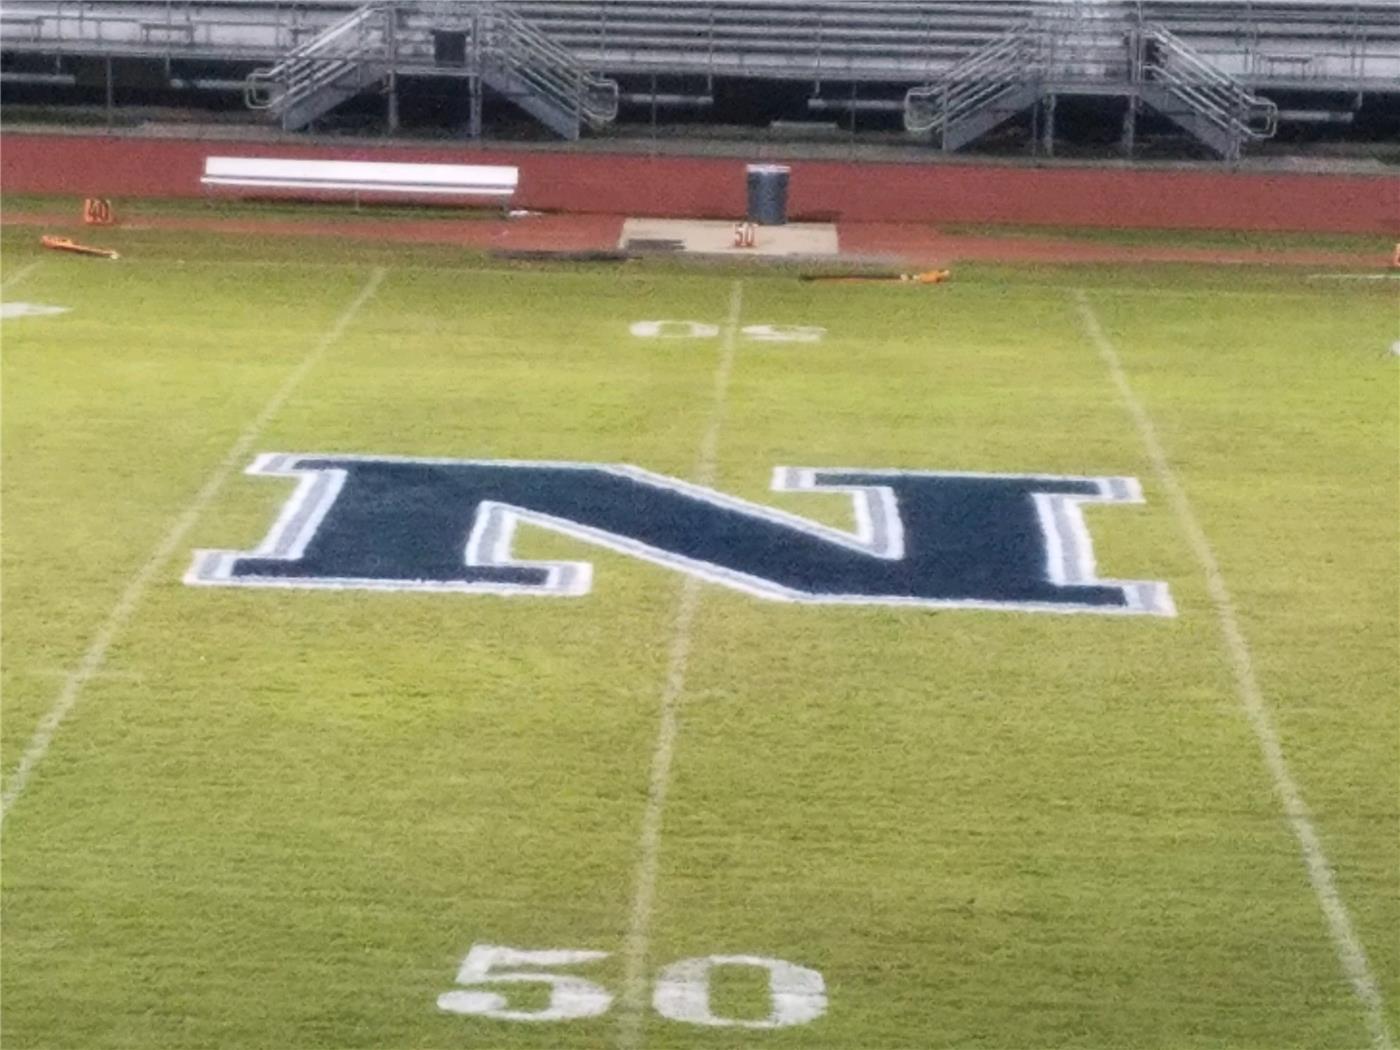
(925, 539)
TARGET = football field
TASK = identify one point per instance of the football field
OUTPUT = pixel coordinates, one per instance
(354, 697)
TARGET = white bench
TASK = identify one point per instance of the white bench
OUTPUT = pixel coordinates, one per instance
(354, 178)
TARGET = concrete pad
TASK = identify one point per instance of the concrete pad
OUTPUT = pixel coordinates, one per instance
(716, 237)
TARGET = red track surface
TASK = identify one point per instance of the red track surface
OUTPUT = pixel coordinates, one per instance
(615, 184)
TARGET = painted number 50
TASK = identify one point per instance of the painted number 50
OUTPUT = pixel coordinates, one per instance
(796, 994)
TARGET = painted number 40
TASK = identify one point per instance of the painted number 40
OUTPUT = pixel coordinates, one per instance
(796, 995)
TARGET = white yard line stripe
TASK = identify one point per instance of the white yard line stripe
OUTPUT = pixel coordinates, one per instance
(707, 460)
(1350, 953)
(633, 1005)
(19, 275)
(1353, 277)
(91, 664)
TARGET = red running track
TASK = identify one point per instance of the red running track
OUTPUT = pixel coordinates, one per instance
(622, 184)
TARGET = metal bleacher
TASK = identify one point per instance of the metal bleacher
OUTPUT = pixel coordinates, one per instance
(1330, 44)
(955, 68)
(485, 44)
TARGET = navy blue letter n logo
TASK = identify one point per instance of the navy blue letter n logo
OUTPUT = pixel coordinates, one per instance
(921, 539)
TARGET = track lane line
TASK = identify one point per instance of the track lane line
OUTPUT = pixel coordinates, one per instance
(91, 664)
(1350, 952)
(635, 950)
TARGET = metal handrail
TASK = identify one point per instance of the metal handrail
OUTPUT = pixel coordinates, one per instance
(1057, 48)
(1214, 95)
(358, 45)
(310, 66)
(538, 61)
(973, 82)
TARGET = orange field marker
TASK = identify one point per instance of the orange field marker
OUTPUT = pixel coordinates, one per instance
(1395, 259)
(63, 244)
(926, 277)
(97, 211)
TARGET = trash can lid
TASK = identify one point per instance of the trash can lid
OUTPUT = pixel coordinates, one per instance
(768, 169)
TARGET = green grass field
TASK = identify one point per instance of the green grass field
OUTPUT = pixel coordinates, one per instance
(243, 817)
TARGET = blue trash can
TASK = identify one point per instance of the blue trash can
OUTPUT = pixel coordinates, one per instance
(768, 193)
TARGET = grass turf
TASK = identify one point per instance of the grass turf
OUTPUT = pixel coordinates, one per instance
(282, 818)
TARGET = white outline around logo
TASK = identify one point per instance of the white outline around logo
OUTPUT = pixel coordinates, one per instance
(878, 533)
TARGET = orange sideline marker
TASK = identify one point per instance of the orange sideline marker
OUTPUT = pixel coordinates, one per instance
(97, 211)
(1395, 259)
(63, 244)
(927, 277)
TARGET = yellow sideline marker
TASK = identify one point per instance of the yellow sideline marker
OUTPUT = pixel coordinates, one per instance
(64, 244)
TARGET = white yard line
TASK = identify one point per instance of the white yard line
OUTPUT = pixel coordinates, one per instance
(1353, 277)
(1350, 953)
(91, 664)
(1046, 288)
(19, 275)
(633, 1005)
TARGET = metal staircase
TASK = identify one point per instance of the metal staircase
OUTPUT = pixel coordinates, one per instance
(1088, 49)
(500, 50)
(346, 58)
(524, 64)
(985, 89)
(1182, 85)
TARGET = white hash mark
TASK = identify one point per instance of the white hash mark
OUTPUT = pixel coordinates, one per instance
(12, 310)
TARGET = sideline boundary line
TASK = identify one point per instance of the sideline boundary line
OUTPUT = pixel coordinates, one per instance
(1350, 952)
(1045, 288)
(1353, 277)
(91, 664)
(635, 949)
